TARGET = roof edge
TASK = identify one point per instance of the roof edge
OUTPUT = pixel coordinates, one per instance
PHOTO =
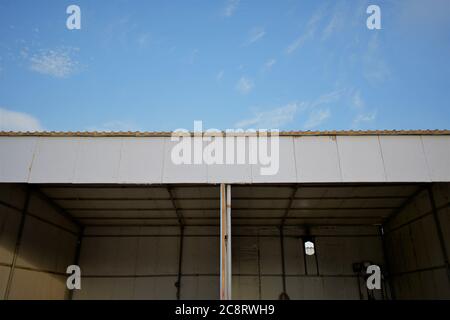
(169, 133)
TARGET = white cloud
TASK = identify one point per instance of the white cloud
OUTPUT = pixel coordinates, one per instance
(57, 63)
(336, 22)
(316, 118)
(364, 118)
(255, 34)
(271, 119)
(18, 121)
(230, 7)
(375, 68)
(327, 98)
(245, 85)
(269, 64)
(308, 33)
(357, 100)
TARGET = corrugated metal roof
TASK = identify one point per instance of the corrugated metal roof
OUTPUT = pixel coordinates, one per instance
(169, 133)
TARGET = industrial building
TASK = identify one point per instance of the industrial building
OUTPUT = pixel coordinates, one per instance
(141, 227)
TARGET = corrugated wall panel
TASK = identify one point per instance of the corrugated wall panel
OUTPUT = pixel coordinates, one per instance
(414, 249)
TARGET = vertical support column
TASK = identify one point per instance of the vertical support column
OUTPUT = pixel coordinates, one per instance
(439, 230)
(18, 241)
(225, 242)
(230, 273)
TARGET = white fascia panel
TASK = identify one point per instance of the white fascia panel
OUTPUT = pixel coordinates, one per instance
(141, 160)
(182, 173)
(16, 157)
(404, 159)
(54, 160)
(360, 159)
(287, 171)
(317, 159)
(98, 160)
(437, 153)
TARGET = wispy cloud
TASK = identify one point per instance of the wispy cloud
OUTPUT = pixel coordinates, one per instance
(58, 63)
(230, 7)
(318, 111)
(254, 35)
(308, 33)
(269, 64)
(335, 23)
(192, 57)
(271, 119)
(18, 121)
(143, 40)
(219, 75)
(316, 118)
(375, 68)
(326, 98)
(245, 85)
(357, 100)
(364, 118)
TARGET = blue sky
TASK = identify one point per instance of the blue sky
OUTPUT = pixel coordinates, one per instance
(160, 65)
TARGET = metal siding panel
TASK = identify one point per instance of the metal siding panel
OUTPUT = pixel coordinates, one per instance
(98, 256)
(245, 255)
(270, 255)
(317, 159)
(201, 255)
(157, 255)
(9, 227)
(156, 288)
(200, 287)
(230, 173)
(94, 289)
(245, 288)
(182, 173)
(271, 287)
(16, 158)
(34, 285)
(437, 153)
(4, 275)
(360, 159)
(43, 209)
(98, 160)
(54, 160)
(293, 251)
(141, 160)
(45, 247)
(404, 159)
(287, 171)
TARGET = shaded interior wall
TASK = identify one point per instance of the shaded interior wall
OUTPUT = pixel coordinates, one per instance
(413, 248)
(47, 246)
(257, 266)
(143, 263)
